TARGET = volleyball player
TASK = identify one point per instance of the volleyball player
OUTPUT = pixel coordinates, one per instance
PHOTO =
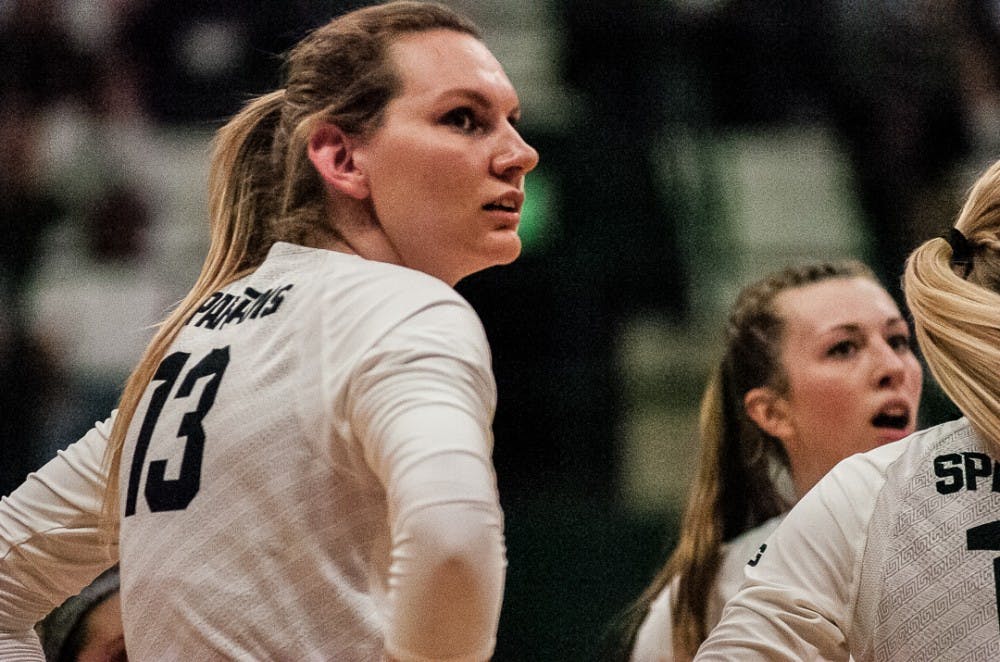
(817, 366)
(895, 554)
(300, 465)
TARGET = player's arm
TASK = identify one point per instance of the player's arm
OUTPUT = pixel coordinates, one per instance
(50, 542)
(798, 595)
(424, 405)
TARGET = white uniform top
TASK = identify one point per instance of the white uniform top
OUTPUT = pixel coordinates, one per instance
(654, 640)
(308, 477)
(894, 555)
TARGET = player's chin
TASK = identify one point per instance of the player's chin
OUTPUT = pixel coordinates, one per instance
(502, 247)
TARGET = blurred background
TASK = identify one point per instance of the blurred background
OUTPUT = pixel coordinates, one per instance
(687, 147)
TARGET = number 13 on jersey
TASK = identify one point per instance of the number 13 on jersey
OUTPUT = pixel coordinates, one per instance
(175, 494)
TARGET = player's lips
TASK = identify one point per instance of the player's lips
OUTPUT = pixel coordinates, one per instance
(894, 419)
(509, 202)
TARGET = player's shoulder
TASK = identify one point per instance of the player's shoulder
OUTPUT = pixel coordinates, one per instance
(913, 447)
(331, 285)
(740, 550)
(355, 300)
(910, 455)
(865, 474)
(745, 545)
(340, 273)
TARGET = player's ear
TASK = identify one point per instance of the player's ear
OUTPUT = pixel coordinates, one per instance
(769, 411)
(331, 152)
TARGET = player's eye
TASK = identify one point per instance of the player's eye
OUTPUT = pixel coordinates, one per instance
(844, 348)
(900, 342)
(462, 118)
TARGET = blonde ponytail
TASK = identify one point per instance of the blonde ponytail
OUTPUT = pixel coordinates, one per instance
(957, 320)
(237, 245)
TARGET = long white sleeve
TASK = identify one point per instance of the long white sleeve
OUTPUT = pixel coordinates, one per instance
(447, 571)
(797, 601)
(50, 544)
(425, 416)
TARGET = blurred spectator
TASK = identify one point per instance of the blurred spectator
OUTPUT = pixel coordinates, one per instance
(95, 302)
(978, 66)
(910, 86)
(897, 102)
(622, 59)
(27, 209)
(41, 62)
(200, 60)
(759, 62)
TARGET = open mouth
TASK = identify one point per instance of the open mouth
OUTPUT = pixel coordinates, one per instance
(508, 202)
(894, 421)
(500, 206)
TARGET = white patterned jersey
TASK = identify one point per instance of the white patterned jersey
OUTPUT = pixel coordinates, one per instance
(308, 476)
(654, 642)
(894, 555)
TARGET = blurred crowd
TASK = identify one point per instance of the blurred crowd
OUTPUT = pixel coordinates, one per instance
(100, 187)
(99, 105)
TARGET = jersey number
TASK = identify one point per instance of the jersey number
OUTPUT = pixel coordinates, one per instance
(175, 494)
(987, 537)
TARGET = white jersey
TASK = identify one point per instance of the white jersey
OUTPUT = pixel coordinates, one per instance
(308, 476)
(654, 640)
(894, 555)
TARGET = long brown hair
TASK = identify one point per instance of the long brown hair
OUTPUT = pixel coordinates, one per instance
(262, 187)
(735, 488)
(957, 317)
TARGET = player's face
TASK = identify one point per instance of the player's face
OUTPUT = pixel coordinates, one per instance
(104, 639)
(446, 167)
(853, 381)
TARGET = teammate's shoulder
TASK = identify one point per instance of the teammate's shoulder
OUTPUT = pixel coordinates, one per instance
(751, 538)
(903, 457)
(954, 433)
(745, 545)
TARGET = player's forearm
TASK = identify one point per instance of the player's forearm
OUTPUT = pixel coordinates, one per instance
(446, 584)
(51, 545)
